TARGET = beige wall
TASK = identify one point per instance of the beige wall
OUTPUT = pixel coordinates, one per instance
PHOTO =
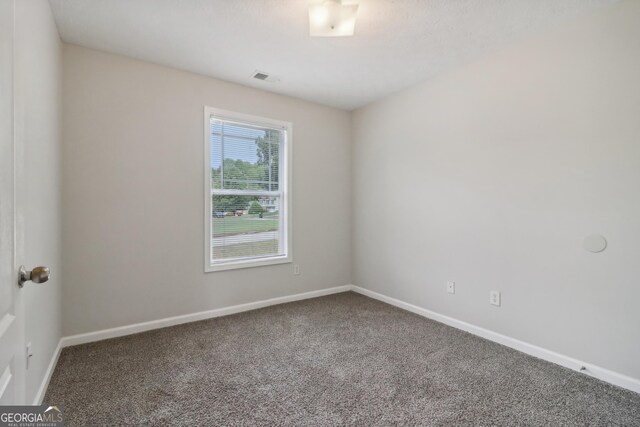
(38, 78)
(491, 175)
(133, 227)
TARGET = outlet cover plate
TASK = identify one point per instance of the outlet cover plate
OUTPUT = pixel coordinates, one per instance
(451, 287)
(494, 298)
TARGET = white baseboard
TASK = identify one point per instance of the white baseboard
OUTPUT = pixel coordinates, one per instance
(47, 375)
(193, 317)
(169, 321)
(603, 374)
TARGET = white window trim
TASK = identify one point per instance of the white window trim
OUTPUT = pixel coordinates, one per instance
(285, 185)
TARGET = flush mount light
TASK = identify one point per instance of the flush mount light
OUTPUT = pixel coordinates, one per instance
(332, 18)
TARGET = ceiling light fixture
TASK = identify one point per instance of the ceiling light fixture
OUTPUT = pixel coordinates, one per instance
(332, 18)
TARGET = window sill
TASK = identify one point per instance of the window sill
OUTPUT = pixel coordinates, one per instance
(233, 265)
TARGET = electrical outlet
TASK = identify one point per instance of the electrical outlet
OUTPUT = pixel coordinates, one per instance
(451, 287)
(29, 353)
(296, 269)
(494, 298)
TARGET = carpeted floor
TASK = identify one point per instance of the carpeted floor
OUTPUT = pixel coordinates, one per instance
(344, 359)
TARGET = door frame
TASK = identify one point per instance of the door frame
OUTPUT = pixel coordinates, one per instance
(12, 332)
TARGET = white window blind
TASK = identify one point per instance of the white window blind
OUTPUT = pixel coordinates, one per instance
(247, 191)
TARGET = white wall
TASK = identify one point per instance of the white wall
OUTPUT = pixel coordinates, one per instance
(133, 226)
(491, 175)
(38, 79)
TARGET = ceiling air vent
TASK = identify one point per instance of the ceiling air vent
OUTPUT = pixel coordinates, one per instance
(261, 75)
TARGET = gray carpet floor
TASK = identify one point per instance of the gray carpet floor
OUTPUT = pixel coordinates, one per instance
(344, 359)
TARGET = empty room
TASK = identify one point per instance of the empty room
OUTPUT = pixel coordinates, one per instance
(319, 213)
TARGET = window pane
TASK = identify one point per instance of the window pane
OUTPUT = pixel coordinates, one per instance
(244, 157)
(245, 227)
(216, 152)
(275, 161)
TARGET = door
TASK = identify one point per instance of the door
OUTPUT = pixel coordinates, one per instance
(12, 365)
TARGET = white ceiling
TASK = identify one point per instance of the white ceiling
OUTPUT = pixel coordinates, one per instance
(397, 43)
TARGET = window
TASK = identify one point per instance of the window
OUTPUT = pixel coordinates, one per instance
(247, 197)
